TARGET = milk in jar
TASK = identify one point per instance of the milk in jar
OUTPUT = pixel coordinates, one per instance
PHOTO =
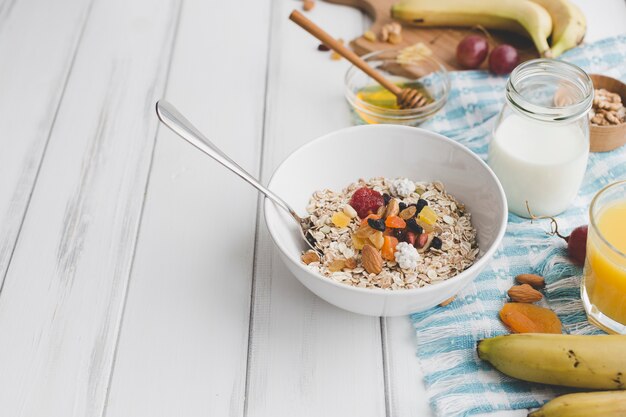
(540, 143)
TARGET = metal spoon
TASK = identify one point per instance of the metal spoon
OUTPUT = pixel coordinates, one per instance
(173, 119)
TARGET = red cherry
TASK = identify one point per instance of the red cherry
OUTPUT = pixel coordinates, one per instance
(503, 59)
(577, 244)
(472, 51)
(366, 201)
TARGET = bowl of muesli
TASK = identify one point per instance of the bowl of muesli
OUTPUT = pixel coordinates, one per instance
(403, 218)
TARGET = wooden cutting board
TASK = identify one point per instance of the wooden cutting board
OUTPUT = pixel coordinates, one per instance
(442, 41)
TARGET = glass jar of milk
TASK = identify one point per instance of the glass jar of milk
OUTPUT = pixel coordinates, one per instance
(540, 141)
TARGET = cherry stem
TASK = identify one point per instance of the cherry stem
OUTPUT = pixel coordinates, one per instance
(554, 226)
(485, 32)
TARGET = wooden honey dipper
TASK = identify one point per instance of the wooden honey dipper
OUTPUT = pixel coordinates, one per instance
(407, 98)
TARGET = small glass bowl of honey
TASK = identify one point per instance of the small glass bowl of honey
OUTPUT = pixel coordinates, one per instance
(370, 103)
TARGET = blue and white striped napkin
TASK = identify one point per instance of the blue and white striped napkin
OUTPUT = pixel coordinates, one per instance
(457, 382)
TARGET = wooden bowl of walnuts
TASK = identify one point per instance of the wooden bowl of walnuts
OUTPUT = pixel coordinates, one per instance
(608, 115)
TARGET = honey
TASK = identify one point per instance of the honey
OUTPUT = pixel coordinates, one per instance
(378, 96)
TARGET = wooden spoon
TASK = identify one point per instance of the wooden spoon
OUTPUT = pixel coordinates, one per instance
(407, 98)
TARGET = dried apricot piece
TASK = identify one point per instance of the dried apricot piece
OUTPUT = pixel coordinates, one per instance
(395, 222)
(529, 318)
(389, 248)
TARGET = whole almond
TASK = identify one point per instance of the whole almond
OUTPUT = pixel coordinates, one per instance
(371, 259)
(381, 211)
(393, 208)
(408, 212)
(309, 257)
(533, 280)
(447, 301)
(524, 294)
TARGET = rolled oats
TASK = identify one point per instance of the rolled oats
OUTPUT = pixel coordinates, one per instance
(458, 238)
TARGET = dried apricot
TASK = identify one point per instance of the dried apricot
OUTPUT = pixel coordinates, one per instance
(529, 318)
(395, 222)
(389, 248)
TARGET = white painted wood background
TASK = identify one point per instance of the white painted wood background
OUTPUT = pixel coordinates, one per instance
(137, 276)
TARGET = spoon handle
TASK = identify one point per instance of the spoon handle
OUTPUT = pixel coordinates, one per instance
(331, 42)
(173, 119)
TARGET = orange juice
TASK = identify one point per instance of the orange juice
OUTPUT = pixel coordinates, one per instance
(605, 266)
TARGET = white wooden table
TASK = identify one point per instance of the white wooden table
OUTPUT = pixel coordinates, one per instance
(138, 278)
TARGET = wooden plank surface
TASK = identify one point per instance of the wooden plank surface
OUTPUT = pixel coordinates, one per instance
(62, 299)
(308, 358)
(33, 35)
(184, 343)
(208, 328)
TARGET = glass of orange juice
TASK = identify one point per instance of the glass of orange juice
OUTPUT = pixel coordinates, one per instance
(604, 279)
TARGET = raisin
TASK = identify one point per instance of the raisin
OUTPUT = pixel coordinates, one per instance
(376, 224)
(386, 198)
(413, 226)
(436, 243)
(421, 203)
(399, 234)
(402, 205)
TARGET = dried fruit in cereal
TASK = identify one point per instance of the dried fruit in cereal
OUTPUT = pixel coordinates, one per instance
(366, 201)
(395, 222)
(365, 252)
(389, 248)
(340, 220)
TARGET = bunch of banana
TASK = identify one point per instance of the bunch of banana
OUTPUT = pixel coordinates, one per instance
(585, 404)
(537, 19)
(596, 362)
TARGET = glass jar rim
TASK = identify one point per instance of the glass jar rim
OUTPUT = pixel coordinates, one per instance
(542, 66)
(592, 219)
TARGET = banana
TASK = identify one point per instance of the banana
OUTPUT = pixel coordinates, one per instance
(569, 24)
(585, 404)
(521, 16)
(596, 362)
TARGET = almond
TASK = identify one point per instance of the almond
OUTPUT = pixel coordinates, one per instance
(310, 257)
(524, 294)
(393, 208)
(448, 301)
(533, 280)
(372, 261)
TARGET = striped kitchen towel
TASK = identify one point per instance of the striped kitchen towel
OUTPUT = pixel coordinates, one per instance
(457, 382)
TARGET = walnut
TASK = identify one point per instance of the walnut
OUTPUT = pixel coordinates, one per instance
(607, 108)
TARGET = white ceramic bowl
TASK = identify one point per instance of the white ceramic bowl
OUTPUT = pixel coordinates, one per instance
(340, 158)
